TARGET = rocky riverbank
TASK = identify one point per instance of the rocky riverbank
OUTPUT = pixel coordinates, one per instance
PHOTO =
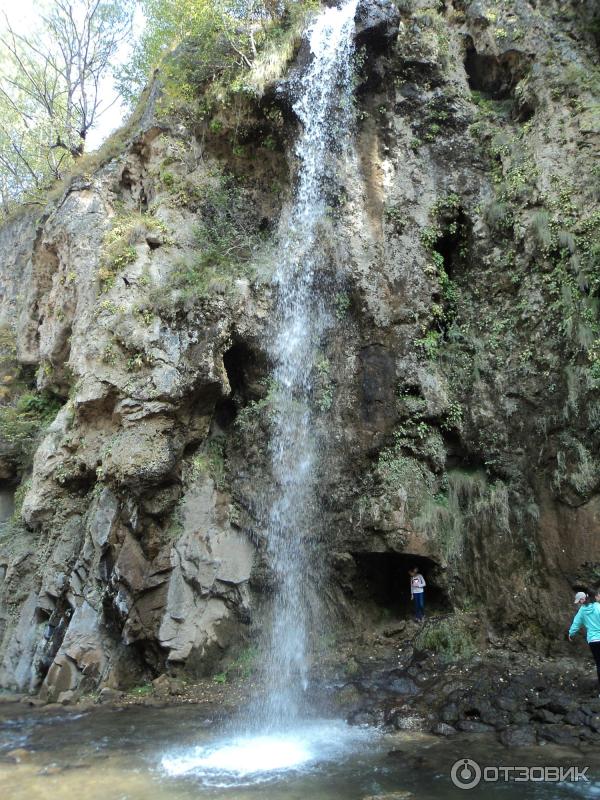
(518, 698)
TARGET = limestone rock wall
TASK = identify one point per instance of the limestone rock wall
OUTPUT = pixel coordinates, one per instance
(458, 392)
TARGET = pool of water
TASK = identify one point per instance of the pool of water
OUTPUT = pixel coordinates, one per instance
(143, 753)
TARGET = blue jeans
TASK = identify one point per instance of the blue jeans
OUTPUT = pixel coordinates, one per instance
(419, 601)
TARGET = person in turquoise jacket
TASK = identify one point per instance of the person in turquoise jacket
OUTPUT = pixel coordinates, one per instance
(588, 617)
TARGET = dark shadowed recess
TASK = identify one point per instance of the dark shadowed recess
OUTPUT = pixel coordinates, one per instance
(382, 580)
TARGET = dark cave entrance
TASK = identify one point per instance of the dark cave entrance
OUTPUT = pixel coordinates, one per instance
(245, 368)
(496, 76)
(381, 582)
(453, 242)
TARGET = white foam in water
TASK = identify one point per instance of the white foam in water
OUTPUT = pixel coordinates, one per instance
(254, 759)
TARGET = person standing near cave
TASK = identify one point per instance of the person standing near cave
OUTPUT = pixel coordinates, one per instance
(417, 592)
(588, 617)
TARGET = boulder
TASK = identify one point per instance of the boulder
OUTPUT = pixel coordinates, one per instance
(472, 726)
(564, 735)
(443, 729)
(376, 23)
(518, 736)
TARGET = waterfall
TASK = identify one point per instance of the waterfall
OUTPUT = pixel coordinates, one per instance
(324, 108)
(278, 732)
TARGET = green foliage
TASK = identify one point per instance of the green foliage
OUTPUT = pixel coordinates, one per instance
(324, 384)
(245, 663)
(241, 667)
(119, 250)
(430, 344)
(498, 216)
(225, 44)
(469, 503)
(279, 42)
(23, 412)
(211, 461)
(450, 638)
(540, 228)
(341, 302)
(49, 99)
(143, 690)
(445, 224)
(435, 30)
(24, 418)
(251, 415)
(453, 417)
(19, 498)
(226, 238)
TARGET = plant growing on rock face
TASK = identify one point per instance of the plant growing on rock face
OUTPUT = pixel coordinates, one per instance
(119, 251)
(540, 228)
(325, 386)
(226, 238)
(342, 304)
(430, 344)
(23, 419)
(211, 461)
(450, 638)
(213, 53)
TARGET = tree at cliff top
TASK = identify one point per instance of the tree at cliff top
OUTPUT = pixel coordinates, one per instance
(50, 90)
(211, 39)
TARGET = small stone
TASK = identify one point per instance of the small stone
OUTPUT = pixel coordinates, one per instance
(66, 698)
(18, 755)
(394, 630)
(10, 697)
(108, 695)
(594, 723)
(507, 703)
(575, 717)
(443, 729)
(519, 718)
(403, 686)
(559, 734)
(402, 795)
(450, 713)
(35, 702)
(544, 715)
(472, 726)
(518, 736)
(51, 769)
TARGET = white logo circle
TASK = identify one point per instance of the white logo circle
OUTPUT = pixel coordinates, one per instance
(465, 773)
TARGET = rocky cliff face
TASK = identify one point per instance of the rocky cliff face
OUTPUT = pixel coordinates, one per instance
(458, 388)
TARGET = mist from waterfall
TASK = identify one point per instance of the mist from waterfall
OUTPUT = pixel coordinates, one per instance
(324, 108)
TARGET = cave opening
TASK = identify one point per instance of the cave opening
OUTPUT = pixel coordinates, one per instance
(7, 502)
(381, 583)
(452, 242)
(494, 76)
(245, 369)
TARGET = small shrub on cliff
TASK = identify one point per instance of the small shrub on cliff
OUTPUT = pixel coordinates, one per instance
(22, 420)
(226, 237)
(211, 462)
(450, 638)
(541, 229)
(119, 243)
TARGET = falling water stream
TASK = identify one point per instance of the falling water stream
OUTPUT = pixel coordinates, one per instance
(278, 735)
(302, 317)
